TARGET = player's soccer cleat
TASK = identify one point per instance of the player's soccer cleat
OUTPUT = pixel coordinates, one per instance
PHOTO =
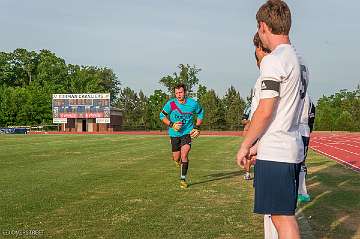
(247, 176)
(183, 183)
(303, 198)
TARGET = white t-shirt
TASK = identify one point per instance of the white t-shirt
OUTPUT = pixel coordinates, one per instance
(304, 121)
(283, 75)
(255, 97)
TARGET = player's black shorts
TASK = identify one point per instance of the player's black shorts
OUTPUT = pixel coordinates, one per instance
(177, 142)
(276, 187)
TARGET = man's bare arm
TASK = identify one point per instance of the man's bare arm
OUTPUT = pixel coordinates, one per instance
(259, 122)
(166, 121)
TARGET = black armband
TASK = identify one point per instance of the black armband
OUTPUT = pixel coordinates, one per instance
(171, 124)
(270, 85)
(164, 113)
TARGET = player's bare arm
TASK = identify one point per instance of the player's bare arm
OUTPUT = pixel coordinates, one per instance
(260, 121)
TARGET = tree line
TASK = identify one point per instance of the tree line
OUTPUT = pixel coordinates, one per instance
(142, 112)
(339, 112)
(28, 79)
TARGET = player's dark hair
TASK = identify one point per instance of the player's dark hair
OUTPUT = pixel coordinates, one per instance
(181, 85)
(277, 16)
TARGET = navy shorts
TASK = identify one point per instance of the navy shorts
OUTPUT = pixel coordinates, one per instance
(276, 187)
(177, 142)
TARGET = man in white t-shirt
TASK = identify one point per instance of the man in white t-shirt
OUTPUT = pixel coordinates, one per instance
(275, 122)
(246, 122)
(260, 52)
(305, 127)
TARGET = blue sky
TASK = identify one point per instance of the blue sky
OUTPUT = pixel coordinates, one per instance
(145, 40)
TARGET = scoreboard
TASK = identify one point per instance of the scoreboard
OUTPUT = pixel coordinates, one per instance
(85, 106)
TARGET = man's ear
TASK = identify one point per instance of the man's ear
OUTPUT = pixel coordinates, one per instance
(266, 28)
(261, 27)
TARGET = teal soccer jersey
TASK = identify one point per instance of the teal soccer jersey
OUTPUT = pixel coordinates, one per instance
(175, 112)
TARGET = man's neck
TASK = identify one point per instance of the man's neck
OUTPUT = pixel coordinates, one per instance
(181, 101)
(277, 40)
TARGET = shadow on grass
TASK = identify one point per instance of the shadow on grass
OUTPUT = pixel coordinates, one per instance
(334, 211)
(217, 177)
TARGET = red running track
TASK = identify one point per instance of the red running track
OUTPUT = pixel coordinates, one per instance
(342, 147)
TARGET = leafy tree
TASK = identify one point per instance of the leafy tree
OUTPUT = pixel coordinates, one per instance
(127, 102)
(108, 82)
(214, 118)
(155, 104)
(142, 109)
(339, 111)
(8, 106)
(188, 75)
(344, 122)
(201, 91)
(7, 73)
(25, 64)
(28, 79)
(51, 73)
(233, 108)
(90, 79)
(325, 115)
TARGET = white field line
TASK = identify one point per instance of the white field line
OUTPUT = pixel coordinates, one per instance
(338, 148)
(352, 167)
(341, 137)
(344, 142)
(336, 137)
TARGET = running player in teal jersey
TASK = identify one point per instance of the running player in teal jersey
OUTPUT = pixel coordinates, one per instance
(178, 113)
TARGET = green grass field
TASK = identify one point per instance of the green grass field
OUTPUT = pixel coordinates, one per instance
(115, 186)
